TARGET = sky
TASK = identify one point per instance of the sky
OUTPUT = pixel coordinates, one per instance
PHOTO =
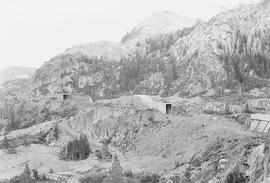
(33, 31)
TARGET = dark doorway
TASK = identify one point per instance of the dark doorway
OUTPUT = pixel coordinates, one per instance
(168, 108)
(65, 96)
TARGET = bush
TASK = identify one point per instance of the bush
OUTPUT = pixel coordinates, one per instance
(128, 173)
(25, 143)
(35, 174)
(235, 177)
(43, 177)
(117, 171)
(98, 153)
(149, 178)
(247, 109)
(95, 178)
(51, 170)
(227, 109)
(103, 153)
(15, 179)
(25, 177)
(56, 132)
(5, 143)
(12, 150)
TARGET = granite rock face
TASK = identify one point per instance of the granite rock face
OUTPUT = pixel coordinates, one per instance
(194, 62)
(198, 53)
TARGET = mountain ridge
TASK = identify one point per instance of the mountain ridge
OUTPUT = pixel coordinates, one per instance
(190, 69)
(190, 57)
(15, 72)
(85, 57)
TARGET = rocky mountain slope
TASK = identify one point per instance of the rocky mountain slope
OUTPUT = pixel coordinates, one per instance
(144, 139)
(97, 67)
(241, 34)
(163, 22)
(12, 73)
(160, 54)
(204, 139)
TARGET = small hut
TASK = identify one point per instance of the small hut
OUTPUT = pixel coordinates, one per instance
(168, 108)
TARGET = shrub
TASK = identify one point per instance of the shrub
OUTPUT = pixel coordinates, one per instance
(128, 173)
(187, 176)
(95, 178)
(15, 179)
(43, 177)
(247, 109)
(116, 174)
(5, 143)
(25, 176)
(35, 174)
(63, 153)
(51, 170)
(117, 171)
(227, 109)
(235, 177)
(56, 132)
(98, 153)
(12, 150)
(103, 153)
(25, 143)
(149, 178)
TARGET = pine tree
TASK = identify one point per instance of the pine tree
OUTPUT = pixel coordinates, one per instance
(51, 170)
(117, 171)
(56, 132)
(11, 149)
(43, 177)
(78, 149)
(26, 175)
(63, 153)
(25, 143)
(35, 174)
(5, 143)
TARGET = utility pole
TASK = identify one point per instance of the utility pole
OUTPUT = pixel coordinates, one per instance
(266, 156)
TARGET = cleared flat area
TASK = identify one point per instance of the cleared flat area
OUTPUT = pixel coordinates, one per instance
(42, 158)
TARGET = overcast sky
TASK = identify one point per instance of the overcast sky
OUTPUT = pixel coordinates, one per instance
(33, 31)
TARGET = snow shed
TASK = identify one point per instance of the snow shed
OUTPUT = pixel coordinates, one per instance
(259, 123)
(78, 98)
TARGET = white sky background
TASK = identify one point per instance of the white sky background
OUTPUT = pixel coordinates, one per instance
(33, 31)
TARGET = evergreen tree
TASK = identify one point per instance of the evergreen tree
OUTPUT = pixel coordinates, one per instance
(78, 149)
(63, 153)
(117, 171)
(26, 175)
(51, 170)
(5, 143)
(56, 132)
(11, 149)
(35, 174)
(43, 177)
(25, 143)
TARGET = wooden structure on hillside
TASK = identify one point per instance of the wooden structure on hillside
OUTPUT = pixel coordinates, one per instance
(168, 108)
(78, 98)
(65, 96)
(259, 123)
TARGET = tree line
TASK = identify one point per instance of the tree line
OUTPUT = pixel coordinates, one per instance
(246, 54)
(77, 149)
